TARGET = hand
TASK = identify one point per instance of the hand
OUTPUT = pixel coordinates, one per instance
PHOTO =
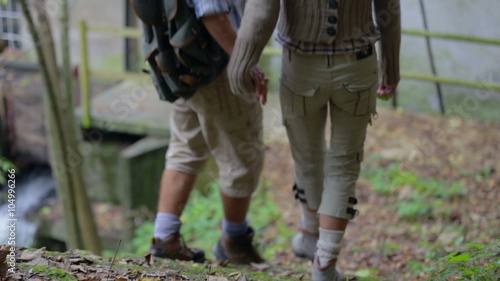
(385, 92)
(260, 82)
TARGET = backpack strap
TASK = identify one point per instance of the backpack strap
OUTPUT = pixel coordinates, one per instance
(149, 11)
(171, 8)
(180, 51)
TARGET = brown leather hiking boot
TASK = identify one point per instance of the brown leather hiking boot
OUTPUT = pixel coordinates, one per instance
(237, 250)
(174, 248)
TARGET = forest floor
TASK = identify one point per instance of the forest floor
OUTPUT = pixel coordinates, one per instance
(430, 186)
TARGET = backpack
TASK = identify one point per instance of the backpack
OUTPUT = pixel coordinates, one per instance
(178, 48)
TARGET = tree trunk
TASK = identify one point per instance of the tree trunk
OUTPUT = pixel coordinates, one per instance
(66, 161)
(65, 49)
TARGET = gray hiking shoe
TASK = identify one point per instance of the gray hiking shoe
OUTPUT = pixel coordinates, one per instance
(174, 248)
(237, 250)
(326, 273)
(304, 244)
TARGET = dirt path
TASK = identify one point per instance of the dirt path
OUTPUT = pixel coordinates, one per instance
(446, 150)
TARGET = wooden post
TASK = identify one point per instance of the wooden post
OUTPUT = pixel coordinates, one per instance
(84, 77)
(395, 100)
(66, 56)
(66, 161)
(431, 58)
(131, 44)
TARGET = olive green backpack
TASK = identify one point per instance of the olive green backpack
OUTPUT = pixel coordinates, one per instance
(180, 51)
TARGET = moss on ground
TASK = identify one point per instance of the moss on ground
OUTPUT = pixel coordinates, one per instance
(136, 265)
(53, 273)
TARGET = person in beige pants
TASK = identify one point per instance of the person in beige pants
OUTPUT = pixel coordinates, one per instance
(329, 70)
(213, 122)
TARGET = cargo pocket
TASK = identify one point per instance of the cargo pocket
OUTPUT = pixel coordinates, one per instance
(359, 97)
(294, 97)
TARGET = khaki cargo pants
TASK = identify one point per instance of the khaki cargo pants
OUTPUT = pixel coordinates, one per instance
(215, 121)
(313, 88)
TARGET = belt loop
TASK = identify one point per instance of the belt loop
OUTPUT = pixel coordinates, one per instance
(289, 55)
(328, 63)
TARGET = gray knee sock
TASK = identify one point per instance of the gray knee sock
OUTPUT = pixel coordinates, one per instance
(328, 245)
(234, 229)
(166, 224)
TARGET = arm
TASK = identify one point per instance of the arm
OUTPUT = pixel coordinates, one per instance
(221, 30)
(388, 17)
(257, 26)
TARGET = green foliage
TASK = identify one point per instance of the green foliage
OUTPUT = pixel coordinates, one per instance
(389, 247)
(201, 218)
(203, 214)
(367, 274)
(476, 262)
(53, 273)
(141, 240)
(417, 196)
(5, 166)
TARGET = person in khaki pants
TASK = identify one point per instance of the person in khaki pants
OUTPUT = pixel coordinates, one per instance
(229, 127)
(329, 70)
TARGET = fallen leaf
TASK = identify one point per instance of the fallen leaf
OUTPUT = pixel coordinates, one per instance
(224, 263)
(216, 278)
(260, 266)
(28, 255)
(286, 273)
(78, 268)
(150, 259)
(80, 260)
(242, 277)
(237, 273)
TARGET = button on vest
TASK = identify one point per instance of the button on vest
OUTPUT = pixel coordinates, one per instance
(331, 31)
(334, 4)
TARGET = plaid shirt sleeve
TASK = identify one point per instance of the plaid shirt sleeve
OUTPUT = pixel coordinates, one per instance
(210, 7)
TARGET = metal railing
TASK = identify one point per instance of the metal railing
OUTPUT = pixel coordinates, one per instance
(135, 33)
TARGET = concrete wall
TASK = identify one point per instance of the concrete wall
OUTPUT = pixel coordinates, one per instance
(463, 60)
(105, 50)
(467, 61)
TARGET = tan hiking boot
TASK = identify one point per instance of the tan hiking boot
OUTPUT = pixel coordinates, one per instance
(174, 248)
(237, 250)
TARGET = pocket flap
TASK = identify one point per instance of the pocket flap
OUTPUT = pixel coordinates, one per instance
(298, 89)
(185, 35)
(361, 84)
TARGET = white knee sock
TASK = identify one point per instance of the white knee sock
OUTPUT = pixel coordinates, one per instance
(328, 245)
(309, 220)
(166, 224)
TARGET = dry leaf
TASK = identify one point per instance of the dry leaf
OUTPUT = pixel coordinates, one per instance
(150, 259)
(27, 255)
(78, 268)
(242, 277)
(216, 278)
(260, 266)
(237, 273)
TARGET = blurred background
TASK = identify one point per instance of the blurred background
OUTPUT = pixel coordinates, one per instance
(431, 160)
